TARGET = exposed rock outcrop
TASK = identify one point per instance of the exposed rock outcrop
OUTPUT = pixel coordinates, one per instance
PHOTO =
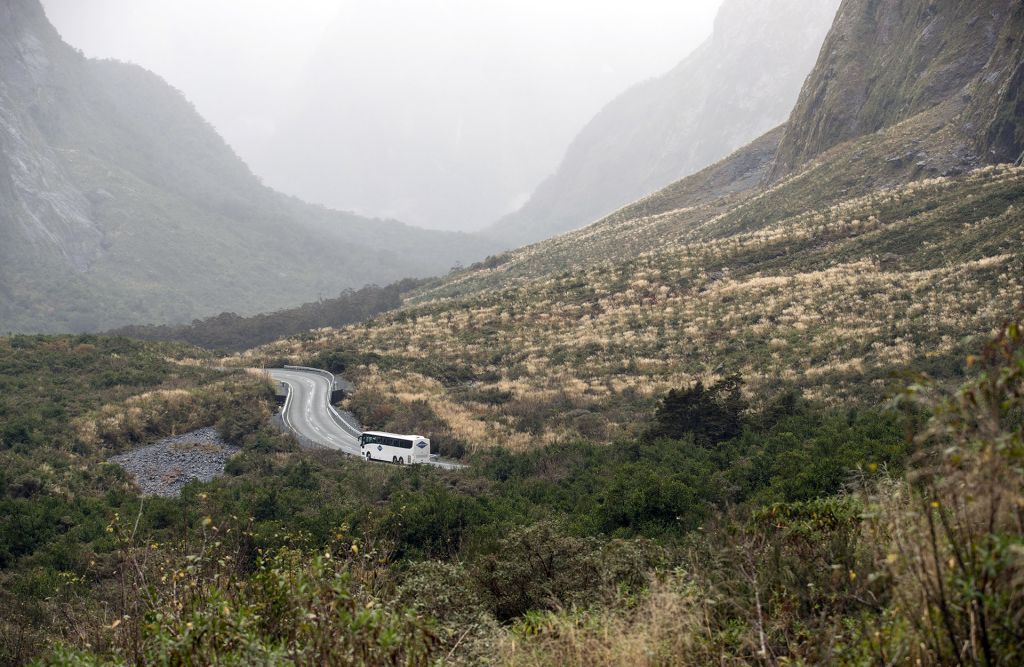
(886, 61)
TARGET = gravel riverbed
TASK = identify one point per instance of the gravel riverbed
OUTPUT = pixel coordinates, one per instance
(163, 468)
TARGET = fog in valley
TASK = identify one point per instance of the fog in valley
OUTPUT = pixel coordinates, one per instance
(444, 114)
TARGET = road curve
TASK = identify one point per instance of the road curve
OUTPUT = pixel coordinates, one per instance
(309, 413)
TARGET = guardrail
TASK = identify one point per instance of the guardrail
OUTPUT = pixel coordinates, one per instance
(327, 374)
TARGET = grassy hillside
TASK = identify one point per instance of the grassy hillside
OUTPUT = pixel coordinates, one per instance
(578, 336)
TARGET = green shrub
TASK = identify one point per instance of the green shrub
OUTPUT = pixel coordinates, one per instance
(539, 567)
(294, 609)
(711, 414)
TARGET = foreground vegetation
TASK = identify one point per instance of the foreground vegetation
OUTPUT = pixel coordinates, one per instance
(728, 533)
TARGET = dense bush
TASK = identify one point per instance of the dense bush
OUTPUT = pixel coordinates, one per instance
(664, 487)
(295, 608)
(539, 567)
(229, 331)
(795, 539)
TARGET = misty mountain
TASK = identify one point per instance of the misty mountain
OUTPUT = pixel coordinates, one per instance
(740, 83)
(120, 204)
(448, 114)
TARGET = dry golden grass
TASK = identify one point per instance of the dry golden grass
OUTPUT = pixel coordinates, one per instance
(828, 301)
(667, 628)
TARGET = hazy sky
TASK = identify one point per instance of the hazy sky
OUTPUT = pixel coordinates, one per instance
(248, 64)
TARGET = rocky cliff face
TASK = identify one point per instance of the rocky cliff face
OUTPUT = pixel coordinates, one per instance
(41, 210)
(886, 61)
(119, 204)
(741, 83)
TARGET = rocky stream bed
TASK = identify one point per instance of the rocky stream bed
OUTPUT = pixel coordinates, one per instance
(164, 467)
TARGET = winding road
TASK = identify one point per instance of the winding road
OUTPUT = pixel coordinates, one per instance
(309, 414)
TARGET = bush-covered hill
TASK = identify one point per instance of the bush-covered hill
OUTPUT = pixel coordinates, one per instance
(229, 331)
(574, 339)
(790, 532)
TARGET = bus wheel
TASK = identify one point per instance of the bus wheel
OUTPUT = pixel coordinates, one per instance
(394, 459)
(401, 461)
(367, 456)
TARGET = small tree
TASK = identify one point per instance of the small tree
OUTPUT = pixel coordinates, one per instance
(712, 414)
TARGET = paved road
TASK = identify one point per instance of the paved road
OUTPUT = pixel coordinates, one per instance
(309, 413)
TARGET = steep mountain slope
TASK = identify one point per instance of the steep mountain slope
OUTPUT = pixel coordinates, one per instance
(880, 250)
(737, 85)
(888, 61)
(119, 204)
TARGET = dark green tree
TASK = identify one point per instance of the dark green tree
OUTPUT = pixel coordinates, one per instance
(712, 414)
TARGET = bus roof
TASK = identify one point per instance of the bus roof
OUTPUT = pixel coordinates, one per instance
(393, 435)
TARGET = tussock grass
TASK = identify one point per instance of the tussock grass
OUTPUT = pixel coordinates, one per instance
(830, 301)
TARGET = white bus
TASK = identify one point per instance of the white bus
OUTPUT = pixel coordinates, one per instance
(401, 449)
